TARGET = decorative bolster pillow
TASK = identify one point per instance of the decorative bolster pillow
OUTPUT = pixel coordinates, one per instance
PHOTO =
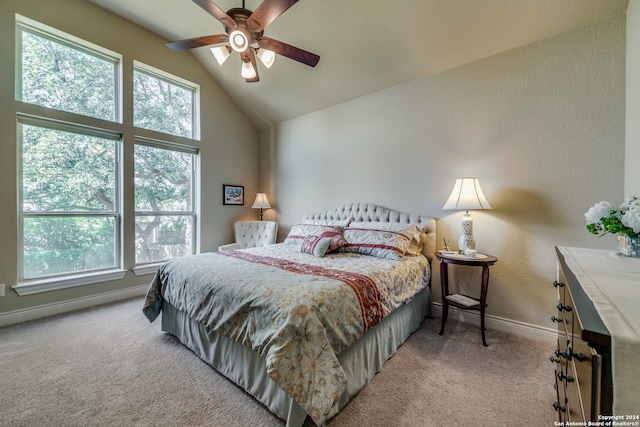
(299, 231)
(415, 232)
(315, 245)
(379, 243)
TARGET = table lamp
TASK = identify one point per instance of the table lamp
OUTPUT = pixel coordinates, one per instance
(467, 195)
(261, 202)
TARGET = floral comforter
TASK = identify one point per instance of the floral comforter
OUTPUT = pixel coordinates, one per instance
(299, 312)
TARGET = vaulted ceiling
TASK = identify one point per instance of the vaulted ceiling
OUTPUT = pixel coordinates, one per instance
(365, 46)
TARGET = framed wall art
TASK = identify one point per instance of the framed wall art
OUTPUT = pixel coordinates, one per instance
(232, 194)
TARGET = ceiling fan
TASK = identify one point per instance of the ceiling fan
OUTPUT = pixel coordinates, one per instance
(244, 34)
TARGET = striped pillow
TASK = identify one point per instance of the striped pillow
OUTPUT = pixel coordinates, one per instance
(379, 243)
(315, 245)
(299, 231)
(416, 232)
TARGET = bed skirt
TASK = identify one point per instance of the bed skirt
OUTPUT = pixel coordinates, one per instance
(360, 362)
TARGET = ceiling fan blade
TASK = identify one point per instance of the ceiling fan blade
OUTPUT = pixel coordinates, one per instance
(216, 12)
(291, 52)
(267, 12)
(181, 45)
(252, 58)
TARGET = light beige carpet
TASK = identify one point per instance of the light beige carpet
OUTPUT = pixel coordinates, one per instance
(108, 366)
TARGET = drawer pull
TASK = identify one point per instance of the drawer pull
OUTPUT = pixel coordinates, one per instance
(563, 354)
(558, 284)
(579, 356)
(557, 407)
(556, 319)
(564, 307)
(562, 377)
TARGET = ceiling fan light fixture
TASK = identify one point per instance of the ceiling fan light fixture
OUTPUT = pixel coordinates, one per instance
(239, 40)
(243, 33)
(267, 57)
(247, 70)
(221, 53)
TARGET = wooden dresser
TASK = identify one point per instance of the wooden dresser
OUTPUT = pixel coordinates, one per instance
(583, 374)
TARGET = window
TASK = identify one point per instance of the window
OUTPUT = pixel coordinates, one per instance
(69, 205)
(58, 72)
(164, 200)
(164, 103)
(69, 200)
(70, 170)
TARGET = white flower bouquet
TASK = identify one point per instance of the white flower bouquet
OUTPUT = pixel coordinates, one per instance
(605, 218)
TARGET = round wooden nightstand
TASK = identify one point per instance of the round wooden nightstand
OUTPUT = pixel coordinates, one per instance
(465, 302)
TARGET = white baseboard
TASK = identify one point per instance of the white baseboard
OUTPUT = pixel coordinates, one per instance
(515, 327)
(32, 313)
(526, 330)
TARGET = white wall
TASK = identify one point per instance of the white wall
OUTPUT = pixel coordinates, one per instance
(542, 127)
(632, 171)
(229, 143)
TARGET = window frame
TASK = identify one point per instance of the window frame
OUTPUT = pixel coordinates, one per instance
(177, 81)
(120, 127)
(28, 286)
(194, 213)
(23, 23)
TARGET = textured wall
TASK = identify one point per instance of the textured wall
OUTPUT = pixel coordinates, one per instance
(542, 127)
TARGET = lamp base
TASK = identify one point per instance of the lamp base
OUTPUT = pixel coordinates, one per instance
(466, 240)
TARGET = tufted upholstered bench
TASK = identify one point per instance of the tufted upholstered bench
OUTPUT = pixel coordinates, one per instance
(249, 234)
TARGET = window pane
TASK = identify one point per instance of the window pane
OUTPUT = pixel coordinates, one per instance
(161, 105)
(58, 245)
(163, 180)
(67, 172)
(58, 76)
(162, 237)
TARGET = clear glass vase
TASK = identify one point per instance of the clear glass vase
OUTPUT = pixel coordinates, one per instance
(629, 246)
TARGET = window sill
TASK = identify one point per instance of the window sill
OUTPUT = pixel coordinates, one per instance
(146, 268)
(46, 285)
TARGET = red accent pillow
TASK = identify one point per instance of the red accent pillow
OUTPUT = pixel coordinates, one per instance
(337, 240)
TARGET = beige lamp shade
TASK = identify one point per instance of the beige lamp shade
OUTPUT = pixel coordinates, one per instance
(261, 202)
(467, 195)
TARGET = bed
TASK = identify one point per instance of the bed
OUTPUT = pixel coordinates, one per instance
(305, 324)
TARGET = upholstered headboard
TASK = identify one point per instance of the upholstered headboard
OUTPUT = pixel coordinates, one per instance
(374, 213)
